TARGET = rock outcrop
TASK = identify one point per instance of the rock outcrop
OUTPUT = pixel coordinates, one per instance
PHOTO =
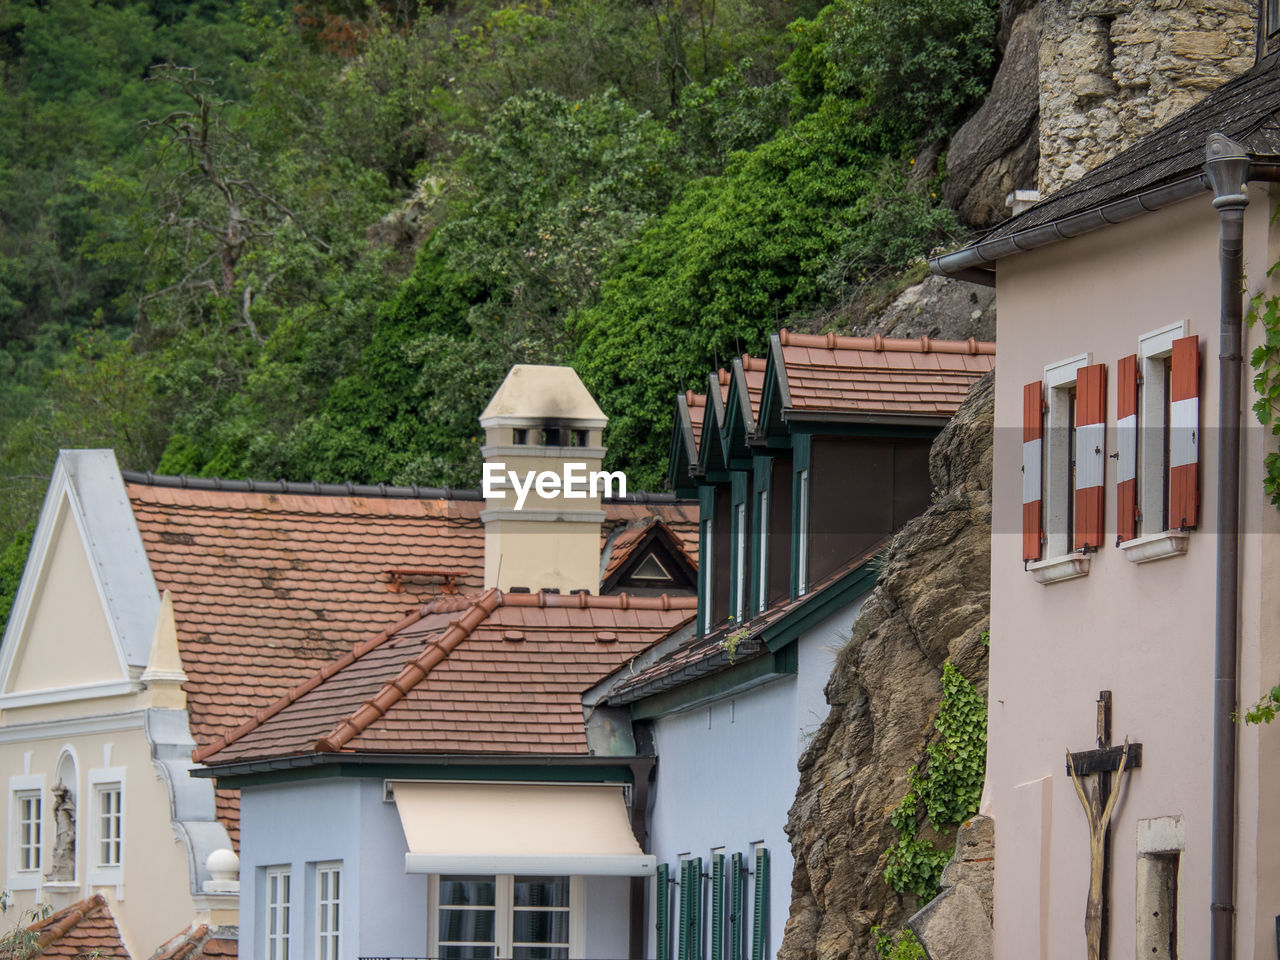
(956, 924)
(930, 604)
(997, 150)
(1112, 71)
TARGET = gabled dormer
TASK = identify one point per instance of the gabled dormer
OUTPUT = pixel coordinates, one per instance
(809, 458)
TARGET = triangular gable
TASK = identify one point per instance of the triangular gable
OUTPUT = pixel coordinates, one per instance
(87, 583)
(683, 453)
(739, 417)
(775, 397)
(655, 561)
(711, 452)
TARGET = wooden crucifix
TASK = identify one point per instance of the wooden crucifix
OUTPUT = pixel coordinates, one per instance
(1099, 802)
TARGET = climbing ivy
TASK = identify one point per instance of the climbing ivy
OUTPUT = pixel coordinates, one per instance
(948, 791)
(1265, 360)
(904, 946)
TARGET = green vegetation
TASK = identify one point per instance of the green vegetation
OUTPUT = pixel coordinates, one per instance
(946, 793)
(904, 946)
(271, 238)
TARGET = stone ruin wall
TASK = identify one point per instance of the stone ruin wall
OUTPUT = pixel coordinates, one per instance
(1112, 71)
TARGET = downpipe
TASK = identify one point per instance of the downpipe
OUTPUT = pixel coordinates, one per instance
(1228, 169)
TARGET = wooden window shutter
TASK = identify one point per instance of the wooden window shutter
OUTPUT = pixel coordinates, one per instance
(1091, 455)
(663, 910)
(694, 922)
(1127, 448)
(1184, 434)
(717, 906)
(1032, 446)
(682, 939)
(760, 903)
(735, 907)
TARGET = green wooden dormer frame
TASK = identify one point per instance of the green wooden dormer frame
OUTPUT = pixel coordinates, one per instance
(713, 465)
(682, 457)
(739, 421)
(772, 428)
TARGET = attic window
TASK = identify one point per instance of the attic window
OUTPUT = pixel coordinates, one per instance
(520, 437)
(579, 438)
(551, 437)
(651, 568)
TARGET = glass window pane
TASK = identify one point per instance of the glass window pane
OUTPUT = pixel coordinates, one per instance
(542, 891)
(540, 953)
(540, 926)
(466, 925)
(467, 891)
(476, 952)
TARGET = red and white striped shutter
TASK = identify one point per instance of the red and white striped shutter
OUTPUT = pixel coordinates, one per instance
(1184, 434)
(1127, 448)
(1091, 454)
(1032, 444)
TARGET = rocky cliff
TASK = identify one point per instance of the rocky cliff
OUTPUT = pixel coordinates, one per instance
(930, 604)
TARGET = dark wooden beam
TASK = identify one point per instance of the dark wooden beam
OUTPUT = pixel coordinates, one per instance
(1106, 760)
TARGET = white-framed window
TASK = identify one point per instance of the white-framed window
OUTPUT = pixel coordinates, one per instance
(329, 910)
(505, 917)
(802, 572)
(740, 569)
(28, 831)
(1154, 426)
(762, 575)
(277, 915)
(105, 815)
(1059, 453)
(107, 800)
(708, 575)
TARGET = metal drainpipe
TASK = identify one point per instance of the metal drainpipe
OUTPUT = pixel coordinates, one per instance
(1227, 166)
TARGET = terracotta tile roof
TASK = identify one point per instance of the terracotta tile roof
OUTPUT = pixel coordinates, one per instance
(268, 587)
(198, 940)
(84, 929)
(880, 376)
(498, 674)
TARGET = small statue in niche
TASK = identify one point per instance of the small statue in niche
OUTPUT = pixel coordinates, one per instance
(64, 843)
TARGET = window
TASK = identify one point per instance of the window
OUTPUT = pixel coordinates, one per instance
(506, 917)
(708, 575)
(329, 910)
(108, 800)
(279, 905)
(30, 806)
(740, 562)
(762, 573)
(802, 521)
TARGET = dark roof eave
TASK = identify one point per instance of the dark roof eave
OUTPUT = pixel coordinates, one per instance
(239, 768)
(983, 255)
(790, 414)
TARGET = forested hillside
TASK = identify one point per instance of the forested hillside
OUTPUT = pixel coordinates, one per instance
(307, 240)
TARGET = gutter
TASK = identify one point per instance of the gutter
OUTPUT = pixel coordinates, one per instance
(976, 263)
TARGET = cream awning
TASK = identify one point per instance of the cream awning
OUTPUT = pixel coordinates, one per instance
(491, 828)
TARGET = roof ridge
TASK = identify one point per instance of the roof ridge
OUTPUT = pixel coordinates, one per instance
(185, 944)
(200, 754)
(410, 676)
(882, 344)
(57, 925)
(618, 601)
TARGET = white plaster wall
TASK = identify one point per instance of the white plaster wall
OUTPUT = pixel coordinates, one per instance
(608, 906)
(1143, 631)
(727, 774)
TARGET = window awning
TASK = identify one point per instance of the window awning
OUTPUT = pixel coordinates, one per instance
(491, 828)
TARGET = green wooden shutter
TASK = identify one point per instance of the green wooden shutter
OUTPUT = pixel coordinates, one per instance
(759, 926)
(735, 907)
(682, 950)
(717, 906)
(695, 908)
(663, 893)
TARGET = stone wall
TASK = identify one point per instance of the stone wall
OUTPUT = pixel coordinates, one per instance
(1112, 71)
